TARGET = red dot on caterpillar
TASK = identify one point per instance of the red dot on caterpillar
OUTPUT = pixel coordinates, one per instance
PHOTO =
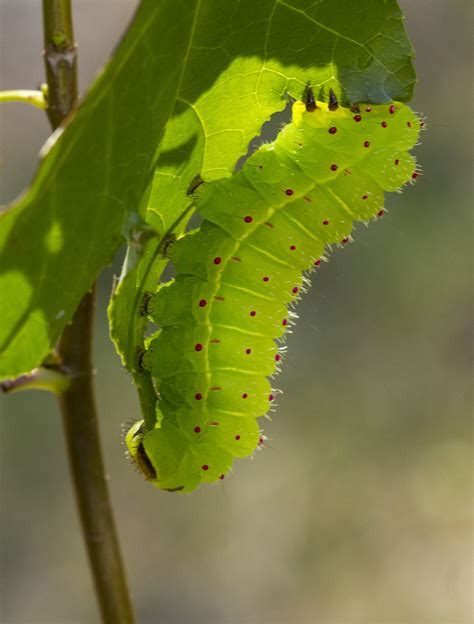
(295, 290)
(332, 130)
(205, 467)
(270, 397)
(366, 143)
(197, 429)
(222, 477)
(217, 260)
(292, 247)
(317, 262)
(245, 395)
(237, 437)
(384, 124)
(333, 167)
(198, 396)
(202, 303)
(253, 313)
(397, 162)
(266, 278)
(277, 357)
(289, 192)
(344, 241)
(414, 175)
(391, 109)
(365, 197)
(284, 322)
(248, 219)
(369, 109)
(326, 222)
(248, 351)
(198, 347)
(380, 213)
(357, 118)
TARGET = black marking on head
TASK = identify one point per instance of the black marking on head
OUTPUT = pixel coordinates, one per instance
(333, 103)
(194, 184)
(355, 108)
(140, 431)
(144, 463)
(308, 99)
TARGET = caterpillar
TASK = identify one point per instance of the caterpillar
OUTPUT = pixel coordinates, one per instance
(264, 230)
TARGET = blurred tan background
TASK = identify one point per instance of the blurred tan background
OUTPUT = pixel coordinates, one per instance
(361, 509)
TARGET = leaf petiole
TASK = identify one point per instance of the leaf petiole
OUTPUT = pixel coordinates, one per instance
(36, 98)
(41, 378)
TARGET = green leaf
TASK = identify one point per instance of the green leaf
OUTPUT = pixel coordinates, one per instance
(246, 56)
(211, 72)
(243, 61)
(69, 224)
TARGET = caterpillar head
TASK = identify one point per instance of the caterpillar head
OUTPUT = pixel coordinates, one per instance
(160, 455)
(136, 448)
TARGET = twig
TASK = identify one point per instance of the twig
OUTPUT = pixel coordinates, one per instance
(85, 458)
(60, 58)
(77, 403)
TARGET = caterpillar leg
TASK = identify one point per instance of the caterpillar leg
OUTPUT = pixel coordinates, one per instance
(146, 303)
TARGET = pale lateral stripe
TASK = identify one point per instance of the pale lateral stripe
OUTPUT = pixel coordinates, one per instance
(269, 255)
(248, 290)
(300, 226)
(242, 331)
(230, 413)
(342, 203)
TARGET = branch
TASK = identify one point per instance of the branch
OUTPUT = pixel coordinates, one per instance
(85, 458)
(77, 402)
(60, 58)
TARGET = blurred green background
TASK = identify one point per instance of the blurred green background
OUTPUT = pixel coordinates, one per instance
(360, 510)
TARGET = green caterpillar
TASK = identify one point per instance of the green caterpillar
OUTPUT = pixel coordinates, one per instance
(238, 274)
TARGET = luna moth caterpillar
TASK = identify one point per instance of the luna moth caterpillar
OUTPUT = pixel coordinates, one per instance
(238, 275)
